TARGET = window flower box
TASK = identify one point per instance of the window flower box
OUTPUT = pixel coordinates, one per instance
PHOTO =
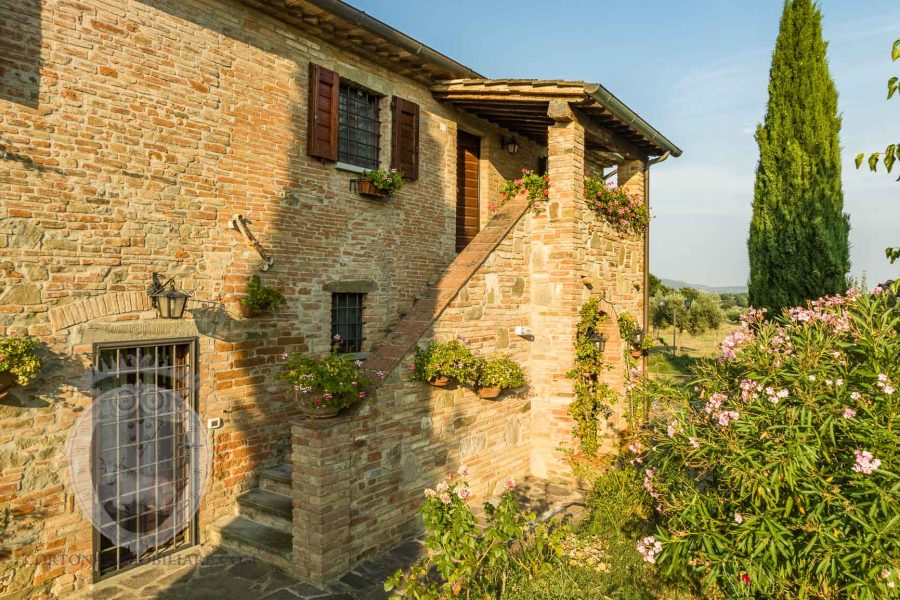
(367, 188)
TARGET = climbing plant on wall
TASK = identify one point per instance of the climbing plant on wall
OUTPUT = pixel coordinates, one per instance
(593, 399)
(533, 185)
(628, 213)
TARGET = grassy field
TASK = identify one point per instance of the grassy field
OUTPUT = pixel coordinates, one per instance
(690, 349)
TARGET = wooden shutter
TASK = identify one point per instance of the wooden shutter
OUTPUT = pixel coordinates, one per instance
(405, 138)
(324, 91)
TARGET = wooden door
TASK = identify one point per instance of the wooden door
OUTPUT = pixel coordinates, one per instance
(467, 153)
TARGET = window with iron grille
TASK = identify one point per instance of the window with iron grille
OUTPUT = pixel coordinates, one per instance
(358, 127)
(347, 321)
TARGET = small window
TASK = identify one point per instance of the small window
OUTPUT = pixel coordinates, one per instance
(358, 127)
(347, 321)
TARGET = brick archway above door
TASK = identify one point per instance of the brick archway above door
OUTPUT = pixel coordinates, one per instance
(105, 305)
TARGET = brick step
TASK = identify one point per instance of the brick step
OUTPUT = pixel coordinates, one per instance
(276, 480)
(267, 508)
(250, 538)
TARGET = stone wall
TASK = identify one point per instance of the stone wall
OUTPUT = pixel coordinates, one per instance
(147, 126)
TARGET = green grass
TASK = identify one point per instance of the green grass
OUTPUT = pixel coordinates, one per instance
(616, 519)
(691, 348)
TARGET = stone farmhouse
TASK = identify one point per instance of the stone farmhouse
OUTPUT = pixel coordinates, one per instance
(164, 136)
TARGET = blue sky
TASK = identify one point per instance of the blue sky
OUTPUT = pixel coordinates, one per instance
(698, 71)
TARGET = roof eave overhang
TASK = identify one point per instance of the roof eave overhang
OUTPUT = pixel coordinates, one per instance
(353, 30)
(521, 105)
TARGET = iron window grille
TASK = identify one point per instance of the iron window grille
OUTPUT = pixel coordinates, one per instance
(347, 321)
(358, 127)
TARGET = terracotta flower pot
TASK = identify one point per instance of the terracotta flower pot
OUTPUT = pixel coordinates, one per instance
(368, 189)
(489, 392)
(315, 410)
(245, 311)
(440, 382)
(636, 353)
(7, 381)
(319, 412)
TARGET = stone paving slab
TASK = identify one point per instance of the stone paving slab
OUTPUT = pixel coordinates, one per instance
(224, 575)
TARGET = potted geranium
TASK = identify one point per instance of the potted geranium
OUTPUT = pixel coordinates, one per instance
(378, 183)
(498, 374)
(323, 386)
(438, 363)
(19, 362)
(260, 298)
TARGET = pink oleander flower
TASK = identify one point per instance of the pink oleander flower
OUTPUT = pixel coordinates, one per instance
(444, 498)
(738, 518)
(442, 487)
(693, 442)
(855, 395)
(849, 413)
(463, 471)
(362, 394)
(636, 448)
(510, 484)
(865, 463)
(337, 337)
(382, 374)
(726, 416)
(464, 492)
(430, 493)
(672, 429)
(328, 396)
(648, 548)
(284, 356)
(715, 401)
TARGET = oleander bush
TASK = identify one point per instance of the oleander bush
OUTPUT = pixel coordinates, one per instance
(466, 560)
(781, 479)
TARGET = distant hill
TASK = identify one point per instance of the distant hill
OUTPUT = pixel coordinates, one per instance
(677, 284)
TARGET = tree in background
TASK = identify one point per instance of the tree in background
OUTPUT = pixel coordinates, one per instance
(892, 151)
(656, 285)
(705, 313)
(798, 241)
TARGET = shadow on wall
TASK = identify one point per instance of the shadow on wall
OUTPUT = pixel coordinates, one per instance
(20, 52)
(297, 222)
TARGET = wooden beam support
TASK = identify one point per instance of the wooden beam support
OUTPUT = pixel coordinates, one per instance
(560, 111)
(614, 142)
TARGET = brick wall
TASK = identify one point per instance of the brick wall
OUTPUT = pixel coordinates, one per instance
(130, 134)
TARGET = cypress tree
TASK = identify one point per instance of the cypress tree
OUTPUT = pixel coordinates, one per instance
(798, 236)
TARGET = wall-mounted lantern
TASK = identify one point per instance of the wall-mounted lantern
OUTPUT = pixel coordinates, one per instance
(168, 301)
(510, 145)
(637, 337)
(599, 341)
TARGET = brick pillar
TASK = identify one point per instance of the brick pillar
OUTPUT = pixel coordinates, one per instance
(630, 175)
(321, 490)
(556, 294)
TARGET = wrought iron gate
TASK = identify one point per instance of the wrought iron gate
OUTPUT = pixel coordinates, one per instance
(143, 451)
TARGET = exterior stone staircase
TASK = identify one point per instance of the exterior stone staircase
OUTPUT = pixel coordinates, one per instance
(262, 527)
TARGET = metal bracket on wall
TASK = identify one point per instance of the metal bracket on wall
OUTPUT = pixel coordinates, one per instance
(239, 223)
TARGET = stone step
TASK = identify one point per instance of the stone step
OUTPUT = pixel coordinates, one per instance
(249, 538)
(276, 479)
(267, 508)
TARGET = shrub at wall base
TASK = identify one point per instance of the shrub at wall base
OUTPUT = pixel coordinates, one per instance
(782, 480)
